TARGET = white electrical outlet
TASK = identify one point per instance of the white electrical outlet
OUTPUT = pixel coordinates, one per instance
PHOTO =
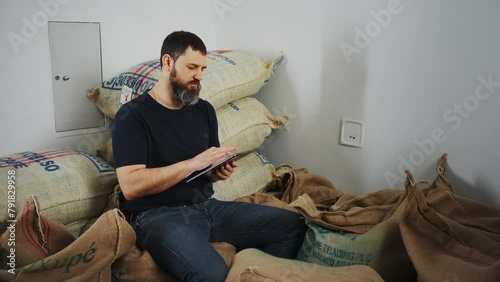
(351, 132)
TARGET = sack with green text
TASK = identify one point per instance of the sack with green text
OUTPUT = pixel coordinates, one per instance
(230, 75)
(380, 247)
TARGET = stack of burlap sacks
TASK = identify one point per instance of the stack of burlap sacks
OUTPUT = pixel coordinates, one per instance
(229, 81)
(64, 224)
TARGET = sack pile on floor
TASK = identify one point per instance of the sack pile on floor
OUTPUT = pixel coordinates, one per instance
(45, 251)
(428, 234)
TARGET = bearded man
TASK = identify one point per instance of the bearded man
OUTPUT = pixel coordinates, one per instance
(161, 138)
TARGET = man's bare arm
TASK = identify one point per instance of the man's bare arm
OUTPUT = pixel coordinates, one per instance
(138, 181)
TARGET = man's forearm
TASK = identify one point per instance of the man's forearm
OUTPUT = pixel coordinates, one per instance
(140, 181)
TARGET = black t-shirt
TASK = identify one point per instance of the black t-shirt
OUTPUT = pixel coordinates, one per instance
(145, 132)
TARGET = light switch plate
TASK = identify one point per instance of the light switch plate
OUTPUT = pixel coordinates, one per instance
(351, 132)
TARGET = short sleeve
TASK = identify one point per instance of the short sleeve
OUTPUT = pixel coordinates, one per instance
(129, 138)
(214, 128)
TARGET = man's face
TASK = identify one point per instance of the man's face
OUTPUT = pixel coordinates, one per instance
(186, 75)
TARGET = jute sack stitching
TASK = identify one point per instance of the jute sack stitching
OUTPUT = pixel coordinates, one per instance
(252, 175)
(254, 265)
(230, 75)
(88, 258)
(71, 185)
(244, 123)
(443, 249)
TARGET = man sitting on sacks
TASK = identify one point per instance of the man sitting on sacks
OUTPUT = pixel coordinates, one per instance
(162, 137)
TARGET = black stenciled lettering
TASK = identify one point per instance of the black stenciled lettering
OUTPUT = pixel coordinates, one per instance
(89, 252)
(57, 265)
(138, 82)
(122, 80)
(72, 262)
(36, 157)
(43, 264)
(25, 154)
(308, 248)
(110, 82)
(6, 159)
(146, 85)
(20, 165)
(15, 163)
(323, 259)
(129, 81)
(318, 245)
(340, 263)
(368, 258)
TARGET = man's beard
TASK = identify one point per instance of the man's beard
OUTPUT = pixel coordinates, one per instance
(182, 93)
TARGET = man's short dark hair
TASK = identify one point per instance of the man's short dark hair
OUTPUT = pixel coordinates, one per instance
(176, 43)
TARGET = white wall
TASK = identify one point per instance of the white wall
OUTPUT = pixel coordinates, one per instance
(131, 32)
(405, 82)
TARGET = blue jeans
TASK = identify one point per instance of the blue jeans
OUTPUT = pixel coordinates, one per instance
(178, 237)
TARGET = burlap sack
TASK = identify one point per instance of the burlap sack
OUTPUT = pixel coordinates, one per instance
(71, 185)
(356, 214)
(253, 265)
(137, 265)
(252, 175)
(79, 227)
(244, 123)
(105, 151)
(230, 75)
(88, 258)
(443, 245)
(32, 236)
(442, 198)
(290, 184)
(74, 227)
(380, 246)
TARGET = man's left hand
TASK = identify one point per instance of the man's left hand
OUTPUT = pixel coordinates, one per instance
(224, 171)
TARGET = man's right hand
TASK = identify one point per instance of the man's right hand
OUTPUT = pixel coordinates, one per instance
(212, 155)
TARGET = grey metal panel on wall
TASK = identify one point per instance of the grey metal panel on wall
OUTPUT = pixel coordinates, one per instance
(75, 56)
